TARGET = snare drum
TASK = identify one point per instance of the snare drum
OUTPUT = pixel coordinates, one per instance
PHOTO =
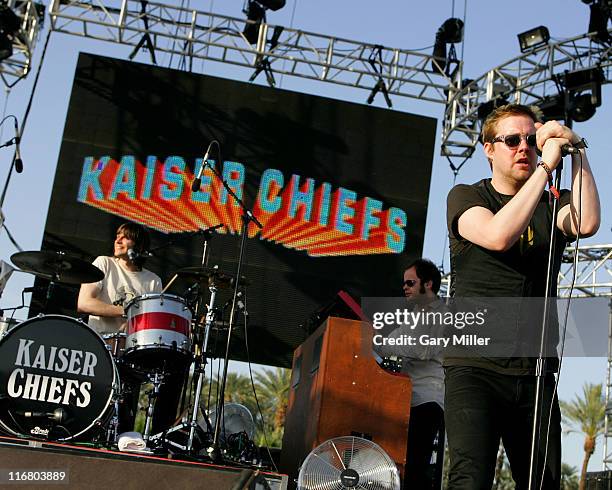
(6, 324)
(58, 380)
(157, 330)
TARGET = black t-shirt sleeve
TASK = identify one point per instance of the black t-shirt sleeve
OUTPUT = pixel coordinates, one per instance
(461, 198)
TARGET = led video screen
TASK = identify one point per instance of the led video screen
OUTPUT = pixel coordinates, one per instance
(341, 190)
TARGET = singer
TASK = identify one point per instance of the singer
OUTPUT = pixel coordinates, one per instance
(499, 230)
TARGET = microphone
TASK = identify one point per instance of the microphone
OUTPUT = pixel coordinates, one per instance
(18, 162)
(133, 254)
(197, 182)
(58, 415)
(568, 149)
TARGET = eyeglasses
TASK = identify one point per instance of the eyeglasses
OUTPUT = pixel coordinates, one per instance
(410, 282)
(513, 140)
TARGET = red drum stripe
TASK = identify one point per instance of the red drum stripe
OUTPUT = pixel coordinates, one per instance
(158, 320)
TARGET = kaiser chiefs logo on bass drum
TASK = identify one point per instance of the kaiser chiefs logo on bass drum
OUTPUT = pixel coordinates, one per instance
(57, 379)
(49, 388)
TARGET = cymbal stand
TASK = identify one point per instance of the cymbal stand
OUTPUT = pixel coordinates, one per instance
(112, 432)
(207, 233)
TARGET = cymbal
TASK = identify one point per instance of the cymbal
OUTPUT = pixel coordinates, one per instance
(209, 274)
(57, 266)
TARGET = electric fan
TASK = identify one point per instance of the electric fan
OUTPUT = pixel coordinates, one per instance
(348, 462)
(236, 418)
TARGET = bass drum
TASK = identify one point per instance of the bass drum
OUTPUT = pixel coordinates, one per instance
(58, 381)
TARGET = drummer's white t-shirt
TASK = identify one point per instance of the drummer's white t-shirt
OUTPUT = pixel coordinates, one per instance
(120, 285)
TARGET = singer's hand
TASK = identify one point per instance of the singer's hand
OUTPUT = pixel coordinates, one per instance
(551, 152)
(552, 129)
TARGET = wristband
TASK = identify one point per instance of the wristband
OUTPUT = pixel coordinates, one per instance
(553, 190)
(546, 168)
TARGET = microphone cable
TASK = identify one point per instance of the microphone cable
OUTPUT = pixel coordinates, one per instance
(564, 328)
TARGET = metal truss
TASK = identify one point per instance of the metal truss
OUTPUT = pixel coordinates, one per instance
(593, 271)
(526, 79)
(31, 15)
(593, 278)
(197, 35)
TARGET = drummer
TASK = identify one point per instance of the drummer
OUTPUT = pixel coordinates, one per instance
(124, 279)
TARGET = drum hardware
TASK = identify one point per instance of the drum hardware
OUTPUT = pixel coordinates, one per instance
(156, 378)
(115, 343)
(6, 324)
(247, 218)
(215, 279)
(199, 361)
(112, 432)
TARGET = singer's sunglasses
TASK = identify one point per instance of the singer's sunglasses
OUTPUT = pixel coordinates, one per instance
(513, 140)
(409, 282)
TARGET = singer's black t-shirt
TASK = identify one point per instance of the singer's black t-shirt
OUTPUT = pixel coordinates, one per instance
(517, 272)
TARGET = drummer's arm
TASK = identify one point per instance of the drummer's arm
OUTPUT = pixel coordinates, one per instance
(89, 303)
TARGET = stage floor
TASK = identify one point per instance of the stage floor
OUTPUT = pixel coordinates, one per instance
(36, 464)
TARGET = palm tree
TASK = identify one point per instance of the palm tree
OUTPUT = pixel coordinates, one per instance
(586, 415)
(569, 479)
(273, 393)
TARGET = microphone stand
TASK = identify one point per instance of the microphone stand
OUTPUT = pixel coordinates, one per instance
(247, 217)
(549, 295)
(12, 141)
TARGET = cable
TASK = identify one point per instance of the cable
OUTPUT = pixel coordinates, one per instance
(280, 83)
(246, 344)
(564, 329)
(27, 111)
(464, 19)
(11, 238)
(8, 93)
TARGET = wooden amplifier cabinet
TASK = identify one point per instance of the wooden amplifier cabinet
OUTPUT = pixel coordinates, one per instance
(338, 389)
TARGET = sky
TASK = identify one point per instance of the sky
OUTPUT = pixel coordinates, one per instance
(490, 40)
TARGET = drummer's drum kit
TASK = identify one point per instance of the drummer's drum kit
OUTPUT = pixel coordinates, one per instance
(60, 380)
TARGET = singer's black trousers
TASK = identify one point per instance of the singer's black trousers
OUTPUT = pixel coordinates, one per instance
(482, 406)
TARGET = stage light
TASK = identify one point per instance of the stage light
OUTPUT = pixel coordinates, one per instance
(582, 108)
(272, 4)
(450, 32)
(551, 108)
(6, 48)
(598, 20)
(488, 107)
(584, 88)
(9, 26)
(256, 14)
(533, 38)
